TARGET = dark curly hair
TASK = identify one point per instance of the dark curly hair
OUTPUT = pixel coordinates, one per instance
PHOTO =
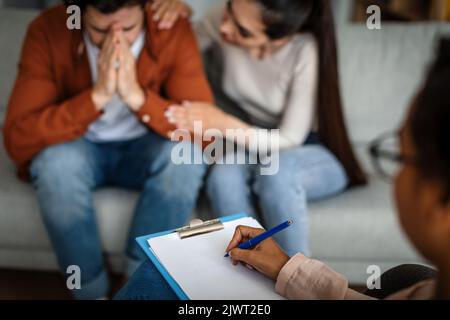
(105, 6)
(430, 121)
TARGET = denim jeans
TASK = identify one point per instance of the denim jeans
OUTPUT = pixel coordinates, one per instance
(146, 283)
(65, 176)
(306, 173)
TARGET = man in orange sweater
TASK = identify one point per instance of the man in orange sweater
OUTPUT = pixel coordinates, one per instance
(87, 110)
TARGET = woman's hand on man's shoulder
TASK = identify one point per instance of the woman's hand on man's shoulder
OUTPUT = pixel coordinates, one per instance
(167, 12)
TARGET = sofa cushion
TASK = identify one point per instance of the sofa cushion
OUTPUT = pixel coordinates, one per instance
(360, 223)
(380, 72)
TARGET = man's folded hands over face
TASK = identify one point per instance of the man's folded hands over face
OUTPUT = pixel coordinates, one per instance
(117, 72)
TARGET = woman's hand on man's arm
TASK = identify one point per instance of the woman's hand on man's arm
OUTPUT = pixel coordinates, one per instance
(167, 12)
(267, 257)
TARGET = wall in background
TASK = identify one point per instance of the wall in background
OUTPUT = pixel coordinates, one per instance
(405, 10)
(200, 6)
(33, 4)
(342, 8)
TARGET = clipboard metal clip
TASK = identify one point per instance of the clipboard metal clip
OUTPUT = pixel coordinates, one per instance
(197, 227)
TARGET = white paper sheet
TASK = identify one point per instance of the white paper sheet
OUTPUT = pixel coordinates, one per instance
(198, 265)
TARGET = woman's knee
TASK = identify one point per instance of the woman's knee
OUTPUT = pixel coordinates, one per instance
(313, 170)
(226, 179)
(277, 186)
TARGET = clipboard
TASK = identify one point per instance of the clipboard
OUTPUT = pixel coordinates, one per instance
(143, 243)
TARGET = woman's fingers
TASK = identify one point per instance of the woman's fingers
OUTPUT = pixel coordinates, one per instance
(167, 12)
(177, 116)
(156, 4)
(180, 112)
(162, 9)
(235, 240)
(195, 104)
(247, 257)
(174, 113)
(241, 234)
(267, 258)
(168, 20)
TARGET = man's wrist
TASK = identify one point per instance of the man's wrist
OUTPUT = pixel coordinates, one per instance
(100, 100)
(136, 99)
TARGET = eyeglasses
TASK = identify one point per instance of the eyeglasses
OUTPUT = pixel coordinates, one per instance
(386, 155)
(242, 31)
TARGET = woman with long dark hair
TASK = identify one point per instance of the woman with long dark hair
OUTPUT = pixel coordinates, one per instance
(273, 66)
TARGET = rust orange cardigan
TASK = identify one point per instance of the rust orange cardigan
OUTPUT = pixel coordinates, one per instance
(51, 101)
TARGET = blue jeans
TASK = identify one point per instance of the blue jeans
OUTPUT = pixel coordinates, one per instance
(65, 176)
(307, 173)
(147, 283)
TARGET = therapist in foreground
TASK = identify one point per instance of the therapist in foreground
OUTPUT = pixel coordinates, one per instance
(422, 193)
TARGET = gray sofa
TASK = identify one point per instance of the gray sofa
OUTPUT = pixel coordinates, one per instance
(380, 71)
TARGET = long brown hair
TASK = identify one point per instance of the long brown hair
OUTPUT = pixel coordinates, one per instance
(286, 17)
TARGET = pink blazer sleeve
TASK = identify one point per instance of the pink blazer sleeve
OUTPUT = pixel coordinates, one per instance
(307, 279)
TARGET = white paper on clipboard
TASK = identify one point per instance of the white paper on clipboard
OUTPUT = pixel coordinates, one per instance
(199, 267)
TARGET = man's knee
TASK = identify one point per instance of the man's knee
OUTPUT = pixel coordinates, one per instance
(60, 167)
(189, 179)
(216, 178)
(176, 180)
(225, 178)
(176, 153)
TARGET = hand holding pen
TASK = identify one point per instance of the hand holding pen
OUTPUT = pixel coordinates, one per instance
(266, 256)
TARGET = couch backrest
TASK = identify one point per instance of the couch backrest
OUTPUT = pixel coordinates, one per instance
(380, 73)
(200, 6)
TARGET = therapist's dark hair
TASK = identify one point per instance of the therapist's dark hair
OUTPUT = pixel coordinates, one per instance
(430, 122)
(105, 6)
(288, 17)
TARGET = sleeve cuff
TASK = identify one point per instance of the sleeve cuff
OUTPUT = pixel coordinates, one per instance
(308, 279)
(287, 272)
(82, 109)
(152, 114)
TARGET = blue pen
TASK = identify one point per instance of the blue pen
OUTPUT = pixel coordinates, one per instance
(263, 236)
